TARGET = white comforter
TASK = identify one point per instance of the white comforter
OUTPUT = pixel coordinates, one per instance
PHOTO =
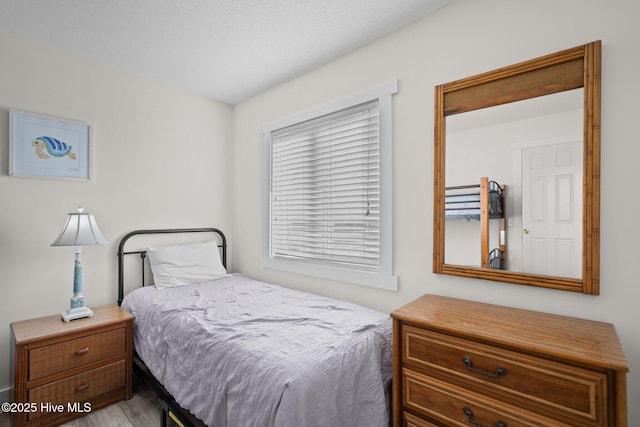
(240, 353)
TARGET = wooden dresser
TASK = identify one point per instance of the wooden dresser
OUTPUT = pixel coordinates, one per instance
(63, 370)
(462, 363)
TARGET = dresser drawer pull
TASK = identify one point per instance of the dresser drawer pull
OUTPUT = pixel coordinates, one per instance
(82, 351)
(475, 422)
(82, 387)
(500, 371)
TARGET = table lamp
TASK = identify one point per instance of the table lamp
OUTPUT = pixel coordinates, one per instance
(80, 230)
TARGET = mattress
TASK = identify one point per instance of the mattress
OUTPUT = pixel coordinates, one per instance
(240, 352)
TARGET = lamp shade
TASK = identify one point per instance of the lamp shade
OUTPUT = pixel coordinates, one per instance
(80, 230)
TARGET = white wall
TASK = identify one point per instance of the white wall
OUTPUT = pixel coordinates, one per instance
(160, 160)
(462, 39)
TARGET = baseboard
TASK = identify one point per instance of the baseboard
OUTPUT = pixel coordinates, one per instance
(6, 394)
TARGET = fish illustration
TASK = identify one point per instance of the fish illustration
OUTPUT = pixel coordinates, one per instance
(54, 147)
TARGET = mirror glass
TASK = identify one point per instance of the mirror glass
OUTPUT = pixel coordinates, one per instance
(517, 173)
(532, 149)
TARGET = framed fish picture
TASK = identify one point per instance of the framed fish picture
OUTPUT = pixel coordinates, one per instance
(48, 147)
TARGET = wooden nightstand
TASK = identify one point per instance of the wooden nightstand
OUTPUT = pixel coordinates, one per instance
(62, 370)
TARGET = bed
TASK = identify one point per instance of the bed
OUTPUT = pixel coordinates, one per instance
(483, 202)
(235, 351)
(465, 201)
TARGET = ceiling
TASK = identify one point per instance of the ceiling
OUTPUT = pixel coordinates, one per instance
(228, 50)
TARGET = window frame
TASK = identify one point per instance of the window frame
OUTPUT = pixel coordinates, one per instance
(383, 276)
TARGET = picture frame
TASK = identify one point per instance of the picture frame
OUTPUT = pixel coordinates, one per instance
(43, 146)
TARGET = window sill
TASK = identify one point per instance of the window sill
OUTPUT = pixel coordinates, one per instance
(364, 278)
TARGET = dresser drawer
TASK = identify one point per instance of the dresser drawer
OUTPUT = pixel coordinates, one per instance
(79, 388)
(569, 392)
(413, 421)
(456, 406)
(65, 355)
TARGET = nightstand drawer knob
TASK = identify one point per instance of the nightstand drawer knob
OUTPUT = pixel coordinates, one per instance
(469, 413)
(82, 351)
(82, 387)
(500, 371)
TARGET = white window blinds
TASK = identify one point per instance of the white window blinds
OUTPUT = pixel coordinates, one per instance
(325, 190)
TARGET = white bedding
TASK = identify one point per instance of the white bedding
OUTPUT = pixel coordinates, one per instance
(240, 353)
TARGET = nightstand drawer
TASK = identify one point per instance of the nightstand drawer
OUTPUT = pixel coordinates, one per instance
(457, 406)
(79, 388)
(566, 390)
(59, 357)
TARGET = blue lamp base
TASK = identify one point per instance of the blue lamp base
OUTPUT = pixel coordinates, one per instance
(77, 313)
(77, 309)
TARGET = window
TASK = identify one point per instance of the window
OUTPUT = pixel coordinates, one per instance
(328, 212)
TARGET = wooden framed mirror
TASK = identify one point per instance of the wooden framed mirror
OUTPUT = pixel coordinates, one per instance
(506, 221)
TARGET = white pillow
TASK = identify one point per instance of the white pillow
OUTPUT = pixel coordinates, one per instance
(179, 265)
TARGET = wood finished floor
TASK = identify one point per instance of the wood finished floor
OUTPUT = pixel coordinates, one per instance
(141, 411)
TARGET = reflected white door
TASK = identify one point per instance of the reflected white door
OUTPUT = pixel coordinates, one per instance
(552, 210)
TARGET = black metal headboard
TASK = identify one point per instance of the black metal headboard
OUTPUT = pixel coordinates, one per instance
(143, 253)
